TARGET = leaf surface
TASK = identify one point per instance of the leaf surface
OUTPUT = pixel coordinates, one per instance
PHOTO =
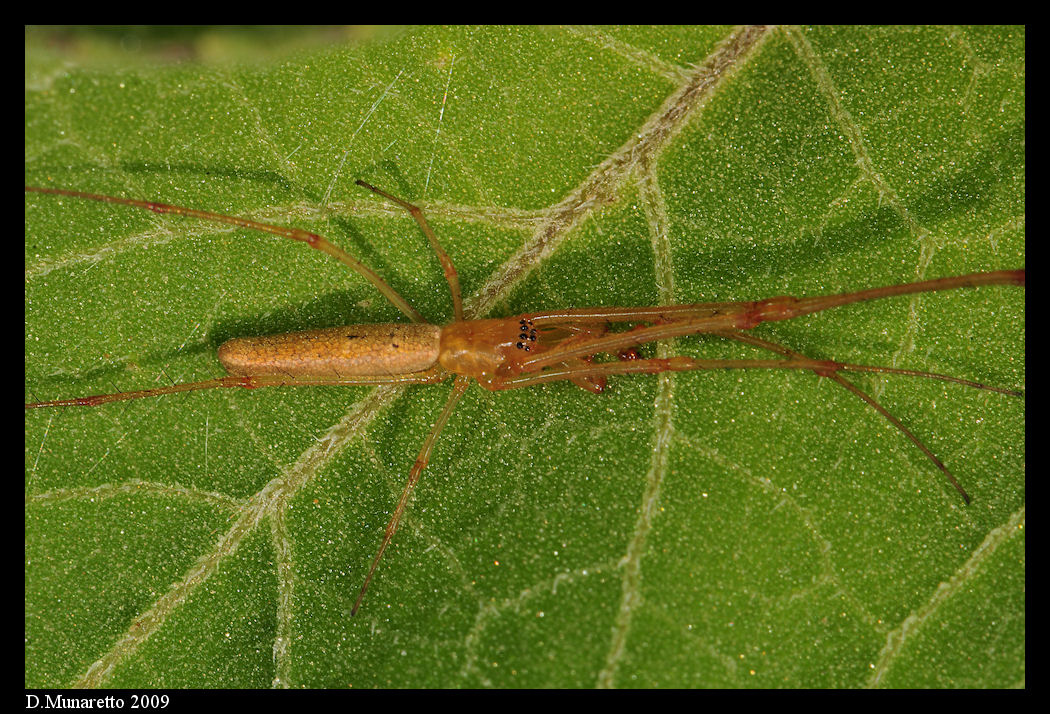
(717, 529)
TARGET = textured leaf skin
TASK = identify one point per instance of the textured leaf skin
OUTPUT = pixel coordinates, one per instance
(738, 529)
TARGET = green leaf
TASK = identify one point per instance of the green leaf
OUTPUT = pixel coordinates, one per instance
(708, 529)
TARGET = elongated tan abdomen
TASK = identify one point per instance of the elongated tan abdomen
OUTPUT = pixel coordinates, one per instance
(364, 350)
